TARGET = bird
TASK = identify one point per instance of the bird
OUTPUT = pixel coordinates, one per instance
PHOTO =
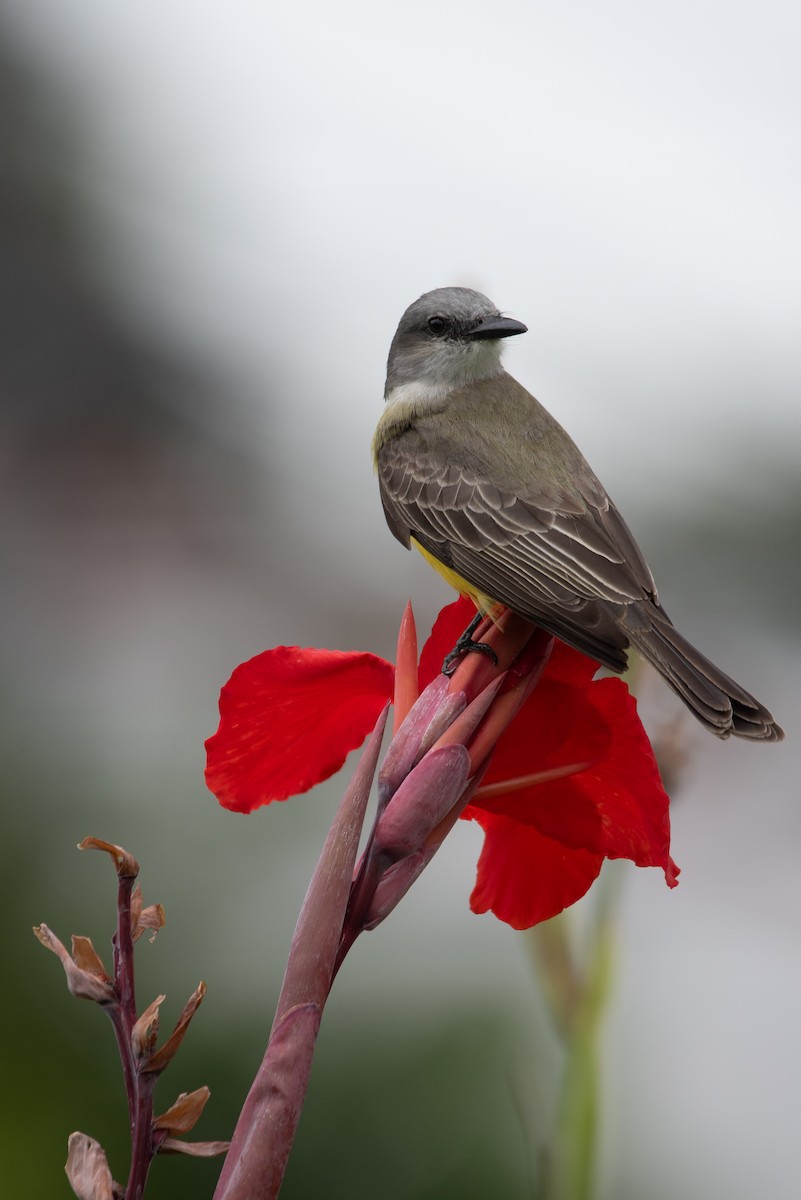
(476, 474)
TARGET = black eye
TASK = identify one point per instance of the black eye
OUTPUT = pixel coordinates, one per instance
(437, 325)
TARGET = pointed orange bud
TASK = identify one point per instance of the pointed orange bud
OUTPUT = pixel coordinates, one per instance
(406, 685)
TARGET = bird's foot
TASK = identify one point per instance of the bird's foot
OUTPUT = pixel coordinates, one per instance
(466, 645)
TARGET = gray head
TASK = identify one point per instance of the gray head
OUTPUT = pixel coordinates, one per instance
(447, 339)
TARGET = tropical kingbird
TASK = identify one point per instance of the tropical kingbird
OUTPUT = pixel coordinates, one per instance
(488, 486)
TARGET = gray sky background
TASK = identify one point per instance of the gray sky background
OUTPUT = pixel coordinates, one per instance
(280, 182)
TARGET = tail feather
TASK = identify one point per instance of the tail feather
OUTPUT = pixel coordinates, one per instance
(720, 704)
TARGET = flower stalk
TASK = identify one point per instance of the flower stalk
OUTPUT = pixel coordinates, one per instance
(432, 768)
(552, 763)
(266, 1127)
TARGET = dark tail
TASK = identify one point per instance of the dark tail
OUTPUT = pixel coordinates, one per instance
(717, 701)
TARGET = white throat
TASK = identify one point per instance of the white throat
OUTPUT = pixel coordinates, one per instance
(417, 397)
(447, 368)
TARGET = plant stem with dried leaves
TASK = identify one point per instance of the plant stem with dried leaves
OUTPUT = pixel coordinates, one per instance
(87, 1167)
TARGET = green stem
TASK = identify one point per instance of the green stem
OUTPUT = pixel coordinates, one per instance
(577, 997)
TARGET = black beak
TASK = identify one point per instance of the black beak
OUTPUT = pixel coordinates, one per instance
(495, 327)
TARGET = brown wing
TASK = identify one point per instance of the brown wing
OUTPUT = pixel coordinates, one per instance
(566, 562)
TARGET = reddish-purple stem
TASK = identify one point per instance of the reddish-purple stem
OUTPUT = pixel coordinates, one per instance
(257, 1158)
(123, 952)
(139, 1087)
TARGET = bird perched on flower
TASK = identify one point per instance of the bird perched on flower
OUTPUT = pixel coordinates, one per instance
(477, 475)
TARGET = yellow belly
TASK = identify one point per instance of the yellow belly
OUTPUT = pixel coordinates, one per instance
(483, 603)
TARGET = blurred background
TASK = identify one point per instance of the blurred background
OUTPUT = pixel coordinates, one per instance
(211, 219)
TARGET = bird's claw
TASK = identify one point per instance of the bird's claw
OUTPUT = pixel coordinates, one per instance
(466, 645)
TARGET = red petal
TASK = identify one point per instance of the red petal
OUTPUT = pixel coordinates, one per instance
(571, 666)
(559, 724)
(289, 718)
(616, 806)
(448, 628)
(524, 877)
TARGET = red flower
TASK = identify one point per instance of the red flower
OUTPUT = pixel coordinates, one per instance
(572, 780)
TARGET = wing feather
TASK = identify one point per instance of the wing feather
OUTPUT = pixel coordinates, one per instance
(550, 557)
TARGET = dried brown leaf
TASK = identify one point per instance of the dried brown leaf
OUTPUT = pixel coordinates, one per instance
(164, 1054)
(196, 1149)
(87, 958)
(143, 918)
(146, 1029)
(81, 983)
(125, 863)
(151, 918)
(184, 1114)
(87, 1169)
(136, 907)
